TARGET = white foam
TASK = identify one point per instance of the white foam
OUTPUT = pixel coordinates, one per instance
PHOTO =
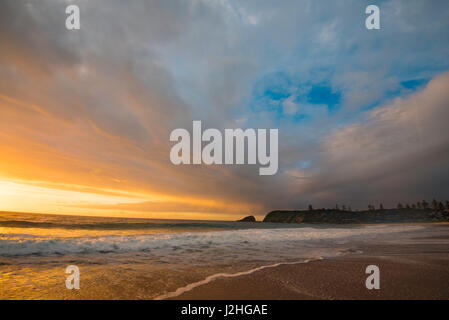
(11, 245)
(216, 276)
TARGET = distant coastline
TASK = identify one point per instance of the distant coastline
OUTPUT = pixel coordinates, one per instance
(336, 216)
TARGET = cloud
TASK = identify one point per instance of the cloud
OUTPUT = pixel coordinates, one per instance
(397, 152)
(93, 109)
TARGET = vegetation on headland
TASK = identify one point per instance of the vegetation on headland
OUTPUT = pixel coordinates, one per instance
(422, 211)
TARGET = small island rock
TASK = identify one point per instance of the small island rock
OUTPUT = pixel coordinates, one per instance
(248, 219)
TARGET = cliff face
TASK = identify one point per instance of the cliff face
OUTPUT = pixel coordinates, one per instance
(372, 216)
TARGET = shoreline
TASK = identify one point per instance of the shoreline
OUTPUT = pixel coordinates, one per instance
(340, 278)
(308, 264)
(407, 271)
(214, 277)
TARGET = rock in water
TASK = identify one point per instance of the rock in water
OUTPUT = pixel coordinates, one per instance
(248, 219)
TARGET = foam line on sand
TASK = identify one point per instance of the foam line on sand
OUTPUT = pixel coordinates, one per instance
(216, 276)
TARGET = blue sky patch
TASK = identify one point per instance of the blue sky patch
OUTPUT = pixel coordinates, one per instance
(322, 94)
(414, 84)
(276, 94)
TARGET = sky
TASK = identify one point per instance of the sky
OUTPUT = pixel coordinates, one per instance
(86, 115)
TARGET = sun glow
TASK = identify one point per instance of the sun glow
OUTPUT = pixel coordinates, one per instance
(58, 198)
(19, 196)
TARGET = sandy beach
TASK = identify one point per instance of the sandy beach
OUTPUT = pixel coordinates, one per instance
(406, 272)
(157, 259)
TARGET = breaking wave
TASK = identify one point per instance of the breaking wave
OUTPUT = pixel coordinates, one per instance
(254, 239)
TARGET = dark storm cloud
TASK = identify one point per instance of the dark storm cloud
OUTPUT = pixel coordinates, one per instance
(103, 100)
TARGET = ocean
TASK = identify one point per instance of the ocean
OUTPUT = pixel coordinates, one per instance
(123, 258)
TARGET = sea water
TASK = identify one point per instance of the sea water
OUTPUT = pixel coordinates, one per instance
(123, 258)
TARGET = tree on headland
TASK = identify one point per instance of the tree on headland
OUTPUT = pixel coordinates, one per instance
(434, 204)
(438, 206)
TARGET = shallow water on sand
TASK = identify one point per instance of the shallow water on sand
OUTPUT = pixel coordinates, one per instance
(145, 259)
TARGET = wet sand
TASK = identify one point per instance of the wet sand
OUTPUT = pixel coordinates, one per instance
(411, 271)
